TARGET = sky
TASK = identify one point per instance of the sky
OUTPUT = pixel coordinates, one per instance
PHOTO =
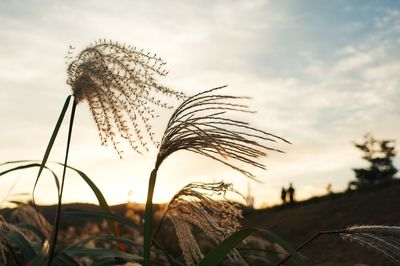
(321, 74)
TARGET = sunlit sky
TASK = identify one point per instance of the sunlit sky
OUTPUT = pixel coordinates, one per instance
(320, 73)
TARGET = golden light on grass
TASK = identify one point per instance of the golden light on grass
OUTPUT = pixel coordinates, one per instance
(383, 239)
(205, 206)
(120, 84)
(201, 125)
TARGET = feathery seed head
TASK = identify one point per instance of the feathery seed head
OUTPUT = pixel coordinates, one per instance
(199, 125)
(196, 205)
(119, 83)
(383, 239)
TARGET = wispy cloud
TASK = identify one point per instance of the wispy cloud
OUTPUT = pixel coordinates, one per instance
(320, 74)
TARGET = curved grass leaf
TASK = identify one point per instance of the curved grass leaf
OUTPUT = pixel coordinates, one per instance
(100, 215)
(215, 256)
(286, 246)
(30, 165)
(100, 198)
(65, 250)
(51, 143)
(102, 253)
(65, 260)
(107, 238)
(107, 262)
(111, 262)
(21, 244)
(104, 238)
(33, 229)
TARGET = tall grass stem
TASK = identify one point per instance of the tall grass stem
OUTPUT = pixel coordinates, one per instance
(148, 218)
(53, 241)
(311, 239)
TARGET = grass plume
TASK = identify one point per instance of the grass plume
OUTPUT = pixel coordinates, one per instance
(119, 83)
(200, 125)
(381, 238)
(196, 204)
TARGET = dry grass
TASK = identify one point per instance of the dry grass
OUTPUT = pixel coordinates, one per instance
(120, 85)
(200, 125)
(381, 238)
(205, 206)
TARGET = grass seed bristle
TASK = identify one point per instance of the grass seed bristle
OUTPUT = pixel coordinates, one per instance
(119, 83)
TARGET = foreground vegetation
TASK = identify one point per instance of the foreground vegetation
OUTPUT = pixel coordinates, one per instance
(119, 84)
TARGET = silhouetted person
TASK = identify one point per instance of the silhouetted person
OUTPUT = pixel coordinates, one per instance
(291, 194)
(283, 196)
(329, 189)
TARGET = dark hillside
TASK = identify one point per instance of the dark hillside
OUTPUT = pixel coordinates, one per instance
(375, 206)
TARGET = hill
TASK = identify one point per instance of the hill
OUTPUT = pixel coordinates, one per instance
(379, 205)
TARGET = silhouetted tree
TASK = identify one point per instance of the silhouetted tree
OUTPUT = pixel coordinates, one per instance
(379, 153)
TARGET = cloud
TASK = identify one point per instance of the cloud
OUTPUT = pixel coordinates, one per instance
(320, 75)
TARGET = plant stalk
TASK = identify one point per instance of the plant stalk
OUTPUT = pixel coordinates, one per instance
(311, 239)
(148, 218)
(53, 241)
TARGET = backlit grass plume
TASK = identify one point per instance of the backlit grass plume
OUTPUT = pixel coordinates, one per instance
(120, 85)
(200, 125)
(383, 239)
(196, 204)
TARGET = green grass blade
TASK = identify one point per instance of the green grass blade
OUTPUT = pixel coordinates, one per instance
(65, 260)
(107, 238)
(33, 229)
(102, 253)
(53, 241)
(51, 143)
(290, 250)
(215, 256)
(101, 238)
(100, 215)
(17, 161)
(22, 244)
(63, 251)
(100, 198)
(148, 219)
(31, 165)
(107, 262)
(49, 147)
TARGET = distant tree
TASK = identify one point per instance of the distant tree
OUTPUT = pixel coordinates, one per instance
(380, 154)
